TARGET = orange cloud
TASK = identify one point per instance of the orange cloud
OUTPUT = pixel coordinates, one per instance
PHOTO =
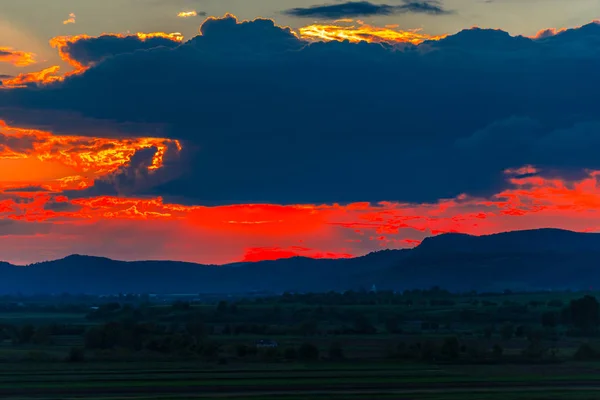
(187, 14)
(362, 32)
(548, 32)
(16, 57)
(45, 76)
(88, 157)
(544, 33)
(61, 43)
(70, 20)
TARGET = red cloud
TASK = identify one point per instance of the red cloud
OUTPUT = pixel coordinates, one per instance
(262, 231)
(92, 157)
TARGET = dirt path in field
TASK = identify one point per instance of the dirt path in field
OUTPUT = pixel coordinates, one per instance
(257, 390)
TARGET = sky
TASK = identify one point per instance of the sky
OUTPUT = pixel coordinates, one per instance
(228, 131)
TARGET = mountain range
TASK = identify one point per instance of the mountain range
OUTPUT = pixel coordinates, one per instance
(519, 260)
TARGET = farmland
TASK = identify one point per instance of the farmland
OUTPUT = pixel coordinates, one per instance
(189, 380)
(415, 345)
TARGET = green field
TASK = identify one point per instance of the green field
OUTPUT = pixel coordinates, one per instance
(417, 345)
(188, 381)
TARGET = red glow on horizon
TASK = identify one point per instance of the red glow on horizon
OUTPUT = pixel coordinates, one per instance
(275, 253)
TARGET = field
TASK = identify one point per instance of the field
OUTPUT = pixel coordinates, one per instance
(371, 346)
(361, 381)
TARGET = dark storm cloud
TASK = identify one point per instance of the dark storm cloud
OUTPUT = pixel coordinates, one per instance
(520, 141)
(365, 8)
(136, 177)
(267, 117)
(24, 189)
(95, 49)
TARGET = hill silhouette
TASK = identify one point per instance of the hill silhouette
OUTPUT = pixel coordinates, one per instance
(521, 260)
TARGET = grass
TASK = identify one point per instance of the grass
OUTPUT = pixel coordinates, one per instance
(130, 375)
(458, 395)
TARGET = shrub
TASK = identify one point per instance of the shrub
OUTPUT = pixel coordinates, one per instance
(269, 354)
(241, 350)
(39, 356)
(76, 354)
(497, 351)
(290, 353)
(429, 351)
(586, 352)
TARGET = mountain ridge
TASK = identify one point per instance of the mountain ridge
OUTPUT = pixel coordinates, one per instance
(531, 259)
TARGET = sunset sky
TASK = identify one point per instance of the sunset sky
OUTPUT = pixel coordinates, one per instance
(171, 129)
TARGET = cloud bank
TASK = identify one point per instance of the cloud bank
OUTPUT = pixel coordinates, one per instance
(267, 116)
(365, 8)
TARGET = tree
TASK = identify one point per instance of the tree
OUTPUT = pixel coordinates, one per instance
(335, 351)
(209, 350)
(488, 331)
(451, 348)
(391, 325)
(308, 328)
(222, 307)
(428, 351)
(196, 328)
(549, 319)
(497, 351)
(94, 338)
(535, 347)
(308, 352)
(26, 334)
(363, 325)
(507, 331)
(42, 336)
(180, 305)
(585, 352)
(241, 350)
(290, 353)
(555, 303)
(584, 313)
(76, 355)
(269, 354)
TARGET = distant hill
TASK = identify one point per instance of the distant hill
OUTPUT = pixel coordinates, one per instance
(532, 259)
